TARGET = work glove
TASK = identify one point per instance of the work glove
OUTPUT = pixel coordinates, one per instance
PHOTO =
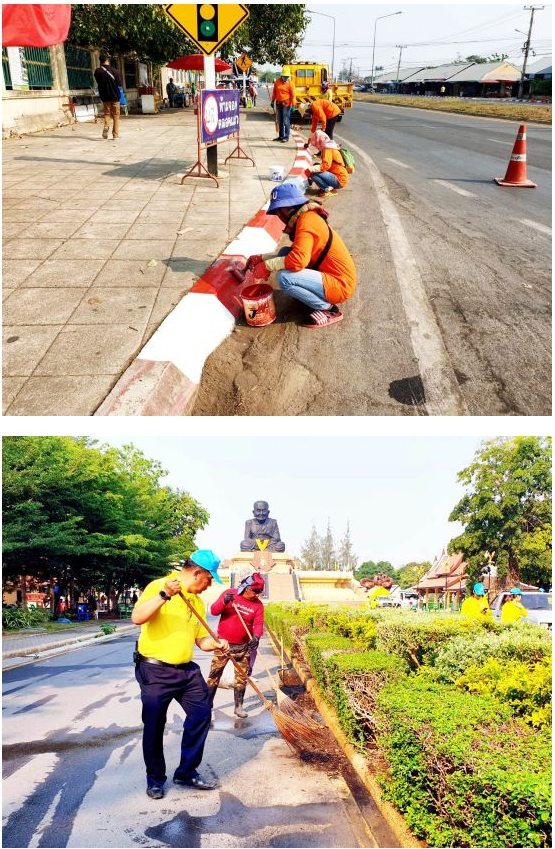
(253, 643)
(275, 263)
(228, 597)
(252, 261)
(315, 169)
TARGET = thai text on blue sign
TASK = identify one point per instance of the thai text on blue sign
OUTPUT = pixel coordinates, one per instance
(220, 115)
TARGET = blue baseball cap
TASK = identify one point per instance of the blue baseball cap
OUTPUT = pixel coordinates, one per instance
(206, 559)
(479, 589)
(288, 194)
(515, 591)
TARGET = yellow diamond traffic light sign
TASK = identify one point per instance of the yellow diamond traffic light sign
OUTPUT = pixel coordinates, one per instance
(208, 25)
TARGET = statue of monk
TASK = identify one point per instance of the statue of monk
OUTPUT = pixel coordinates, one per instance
(262, 529)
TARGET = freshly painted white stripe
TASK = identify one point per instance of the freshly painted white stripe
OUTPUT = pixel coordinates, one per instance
(190, 333)
(498, 141)
(443, 395)
(251, 240)
(456, 189)
(536, 225)
(400, 164)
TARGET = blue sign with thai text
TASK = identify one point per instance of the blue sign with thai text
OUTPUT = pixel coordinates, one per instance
(219, 115)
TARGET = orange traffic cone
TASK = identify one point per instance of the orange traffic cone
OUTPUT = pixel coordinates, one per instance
(516, 170)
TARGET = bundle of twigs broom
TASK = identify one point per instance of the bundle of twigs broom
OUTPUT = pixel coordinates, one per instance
(302, 734)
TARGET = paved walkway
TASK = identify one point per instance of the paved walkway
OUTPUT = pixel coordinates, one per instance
(101, 241)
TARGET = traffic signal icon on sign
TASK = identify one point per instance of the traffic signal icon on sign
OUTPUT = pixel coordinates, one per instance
(207, 22)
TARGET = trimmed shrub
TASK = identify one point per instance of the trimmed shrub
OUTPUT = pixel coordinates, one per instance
(355, 680)
(525, 687)
(318, 648)
(361, 627)
(527, 645)
(290, 621)
(461, 770)
(418, 638)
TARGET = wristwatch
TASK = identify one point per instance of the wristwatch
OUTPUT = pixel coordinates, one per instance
(163, 594)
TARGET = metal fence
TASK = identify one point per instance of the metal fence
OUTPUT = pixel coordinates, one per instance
(39, 68)
(79, 67)
(6, 69)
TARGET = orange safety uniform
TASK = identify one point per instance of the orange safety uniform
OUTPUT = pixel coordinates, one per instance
(321, 111)
(284, 92)
(332, 161)
(338, 269)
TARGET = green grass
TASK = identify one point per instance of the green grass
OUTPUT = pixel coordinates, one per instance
(525, 113)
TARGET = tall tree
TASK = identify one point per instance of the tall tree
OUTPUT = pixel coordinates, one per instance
(411, 573)
(328, 549)
(311, 551)
(347, 558)
(368, 569)
(507, 510)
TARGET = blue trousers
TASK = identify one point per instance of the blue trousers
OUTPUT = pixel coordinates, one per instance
(284, 121)
(159, 686)
(306, 286)
(325, 180)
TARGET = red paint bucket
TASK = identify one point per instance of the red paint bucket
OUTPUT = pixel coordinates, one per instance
(258, 304)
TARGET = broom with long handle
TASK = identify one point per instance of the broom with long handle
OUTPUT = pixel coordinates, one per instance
(284, 702)
(300, 735)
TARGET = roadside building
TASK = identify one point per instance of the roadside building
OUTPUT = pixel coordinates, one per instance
(461, 79)
(444, 583)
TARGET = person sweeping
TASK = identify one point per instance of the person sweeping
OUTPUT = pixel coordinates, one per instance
(317, 269)
(245, 600)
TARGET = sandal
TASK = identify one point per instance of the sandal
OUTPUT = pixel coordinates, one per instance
(321, 318)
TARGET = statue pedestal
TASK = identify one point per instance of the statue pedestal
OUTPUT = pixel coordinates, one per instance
(247, 562)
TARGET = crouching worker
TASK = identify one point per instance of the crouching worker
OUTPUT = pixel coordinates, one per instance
(317, 270)
(164, 669)
(331, 174)
(231, 606)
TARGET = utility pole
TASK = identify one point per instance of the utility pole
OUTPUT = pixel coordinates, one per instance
(531, 9)
(400, 46)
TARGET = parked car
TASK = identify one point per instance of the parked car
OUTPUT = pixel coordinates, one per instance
(538, 605)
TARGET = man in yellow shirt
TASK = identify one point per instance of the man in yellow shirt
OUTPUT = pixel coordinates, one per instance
(513, 610)
(165, 670)
(476, 606)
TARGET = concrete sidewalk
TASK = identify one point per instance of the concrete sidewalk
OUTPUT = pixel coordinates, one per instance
(24, 647)
(101, 241)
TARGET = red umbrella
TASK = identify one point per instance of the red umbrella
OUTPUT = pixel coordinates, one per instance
(195, 62)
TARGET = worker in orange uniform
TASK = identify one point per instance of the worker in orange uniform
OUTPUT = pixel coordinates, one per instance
(331, 174)
(326, 113)
(317, 270)
(283, 100)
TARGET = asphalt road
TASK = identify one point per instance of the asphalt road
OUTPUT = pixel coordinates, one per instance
(452, 315)
(73, 773)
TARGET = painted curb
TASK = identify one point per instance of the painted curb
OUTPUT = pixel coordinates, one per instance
(392, 816)
(164, 378)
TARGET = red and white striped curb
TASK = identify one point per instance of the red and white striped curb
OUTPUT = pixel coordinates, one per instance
(164, 378)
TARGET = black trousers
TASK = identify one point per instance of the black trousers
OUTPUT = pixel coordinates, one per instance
(330, 124)
(159, 686)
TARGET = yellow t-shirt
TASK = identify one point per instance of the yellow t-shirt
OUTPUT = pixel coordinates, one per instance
(170, 635)
(375, 593)
(476, 608)
(513, 611)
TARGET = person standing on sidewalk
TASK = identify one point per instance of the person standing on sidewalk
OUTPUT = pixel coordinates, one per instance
(283, 100)
(165, 670)
(246, 599)
(317, 270)
(109, 81)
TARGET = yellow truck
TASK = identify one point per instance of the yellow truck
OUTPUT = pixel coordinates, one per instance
(308, 78)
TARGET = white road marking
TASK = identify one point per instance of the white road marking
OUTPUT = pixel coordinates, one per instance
(443, 394)
(400, 164)
(498, 141)
(455, 188)
(540, 227)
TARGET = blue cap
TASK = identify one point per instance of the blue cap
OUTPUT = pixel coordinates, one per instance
(288, 194)
(206, 559)
(479, 589)
(515, 591)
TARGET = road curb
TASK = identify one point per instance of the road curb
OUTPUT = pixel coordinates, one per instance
(29, 654)
(164, 378)
(394, 819)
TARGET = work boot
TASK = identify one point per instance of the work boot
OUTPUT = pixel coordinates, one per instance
(239, 695)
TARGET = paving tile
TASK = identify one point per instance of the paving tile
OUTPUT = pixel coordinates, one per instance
(15, 271)
(127, 272)
(86, 248)
(129, 305)
(23, 347)
(10, 388)
(81, 349)
(59, 396)
(144, 249)
(41, 306)
(75, 273)
(99, 228)
(30, 248)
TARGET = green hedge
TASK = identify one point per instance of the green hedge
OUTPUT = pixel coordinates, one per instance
(355, 680)
(319, 647)
(461, 770)
(418, 638)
